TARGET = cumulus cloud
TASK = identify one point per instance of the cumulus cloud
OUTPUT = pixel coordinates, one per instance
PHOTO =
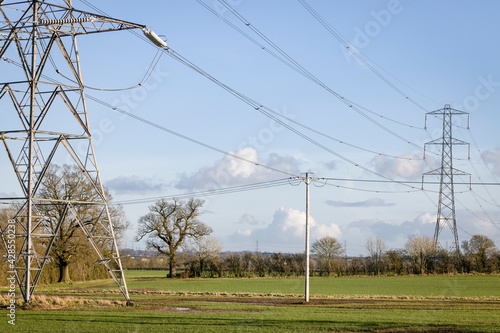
(331, 165)
(286, 231)
(492, 158)
(394, 233)
(248, 219)
(478, 223)
(374, 202)
(230, 171)
(322, 230)
(134, 184)
(411, 167)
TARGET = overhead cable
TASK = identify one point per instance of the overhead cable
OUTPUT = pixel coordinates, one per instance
(292, 63)
(354, 52)
(207, 193)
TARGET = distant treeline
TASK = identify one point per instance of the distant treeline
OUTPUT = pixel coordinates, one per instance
(256, 264)
(420, 256)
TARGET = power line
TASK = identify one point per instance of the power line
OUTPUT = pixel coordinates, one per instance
(214, 192)
(163, 128)
(150, 123)
(266, 110)
(269, 113)
(292, 63)
(254, 103)
(203, 144)
(337, 36)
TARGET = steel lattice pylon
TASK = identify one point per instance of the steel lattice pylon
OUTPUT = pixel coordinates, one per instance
(446, 206)
(31, 34)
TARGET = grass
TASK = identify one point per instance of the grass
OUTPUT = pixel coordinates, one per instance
(388, 304)
(438, 285)
(145, 274)
(162, 314)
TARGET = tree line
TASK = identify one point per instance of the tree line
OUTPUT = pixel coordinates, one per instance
(480, 256)
(184, 244)
(171, 226)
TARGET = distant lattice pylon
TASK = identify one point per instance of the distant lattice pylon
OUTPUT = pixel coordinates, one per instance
(446, 206)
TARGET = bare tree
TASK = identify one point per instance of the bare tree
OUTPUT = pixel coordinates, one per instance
(206, 250)
(169, 224)
(376, 248)
(327, 248)
(69, 183)
(420, 249)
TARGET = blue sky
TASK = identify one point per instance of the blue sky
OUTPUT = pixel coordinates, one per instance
(434, 53)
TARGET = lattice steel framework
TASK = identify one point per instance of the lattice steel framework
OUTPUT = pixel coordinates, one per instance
(446, 206)
(32, 32)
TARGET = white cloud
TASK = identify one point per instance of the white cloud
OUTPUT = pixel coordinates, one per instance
(286, 232)
(393, 233)
(244, 232)
(411, 166)
(493, 158)
(230, 171)
(331, 165)
(426, 218)
(322, 230)
(479, 224)
(248, 219)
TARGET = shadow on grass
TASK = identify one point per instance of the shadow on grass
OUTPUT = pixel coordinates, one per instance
(73, 321)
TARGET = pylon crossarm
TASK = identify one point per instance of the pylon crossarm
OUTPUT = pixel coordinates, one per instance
(65, 21)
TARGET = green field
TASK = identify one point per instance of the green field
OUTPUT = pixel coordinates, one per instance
(352, 304)
(454, 285)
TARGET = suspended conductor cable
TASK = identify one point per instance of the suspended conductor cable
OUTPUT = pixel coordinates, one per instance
(301, 70)
(407, 183)
(214, 192)
(483, 199)
(147, 75)
(414, 189)
(292, 63)
(163, 128)
(485, 166)
(354, 52)
(477, 216)
(295, 68)
(256, 105)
